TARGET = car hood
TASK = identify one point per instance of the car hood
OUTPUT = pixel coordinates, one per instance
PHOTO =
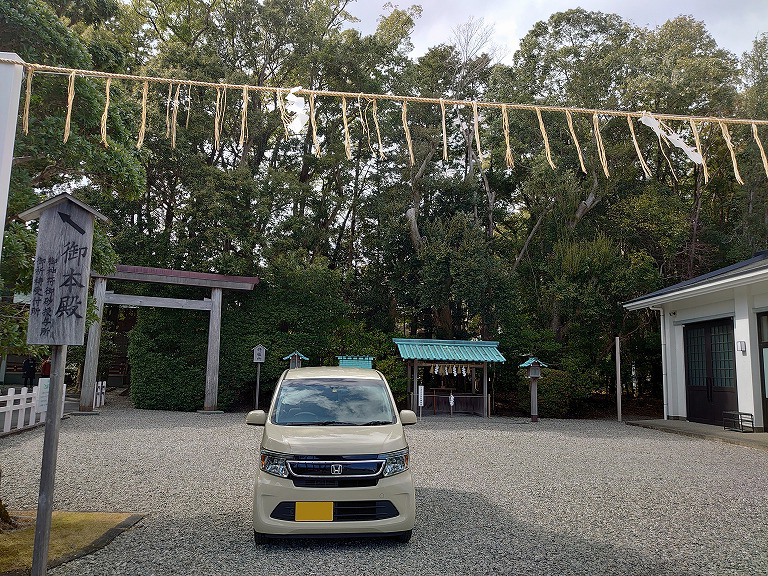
(333, 440)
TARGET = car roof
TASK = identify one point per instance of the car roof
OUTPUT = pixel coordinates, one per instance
(333, 372)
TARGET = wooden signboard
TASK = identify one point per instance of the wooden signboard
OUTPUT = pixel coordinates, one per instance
(259, 353)
(62, 270)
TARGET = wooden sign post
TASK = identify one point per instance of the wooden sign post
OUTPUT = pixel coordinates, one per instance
(259, 355)
(57, 318)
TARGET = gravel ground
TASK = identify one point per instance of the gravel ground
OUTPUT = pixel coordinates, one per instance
(501, 496)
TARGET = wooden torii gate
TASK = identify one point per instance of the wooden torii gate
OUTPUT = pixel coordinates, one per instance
(216, 282)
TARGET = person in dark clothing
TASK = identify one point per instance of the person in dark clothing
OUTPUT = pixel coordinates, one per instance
(28, 369)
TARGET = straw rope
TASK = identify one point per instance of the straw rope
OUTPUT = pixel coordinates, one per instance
(70, 98)
(216, 119)
(143, 127)
(760, 146)
(505, 126)
(669, 162)
(347, 141)
(407, 133)
(600, 147)
(244, 118)
(575, 140)
(546, 140)
(728, 142)
(43, 68)
(646, 170)
(445, 133)
(364, 122)
(477, 132)
(174, 114)
(168, 112)
(313, 124)
(378, 131)
(189, 107)
(27, 97)
(697, 140)
(104, 115)
(33, 68)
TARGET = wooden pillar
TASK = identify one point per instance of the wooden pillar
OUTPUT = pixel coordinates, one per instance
(214, 344)
(92, 348)
(415, 396)
(408, 386)
(48, 469)
(485, 389)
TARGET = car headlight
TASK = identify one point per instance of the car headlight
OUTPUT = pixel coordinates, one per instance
(396, 463)
(274, 463)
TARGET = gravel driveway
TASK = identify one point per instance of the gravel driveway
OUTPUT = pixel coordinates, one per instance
(501, 496)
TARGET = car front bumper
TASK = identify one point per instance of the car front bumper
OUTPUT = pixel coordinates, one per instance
(270, 491)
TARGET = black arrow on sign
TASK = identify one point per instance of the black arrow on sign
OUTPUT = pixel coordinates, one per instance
(68, 220)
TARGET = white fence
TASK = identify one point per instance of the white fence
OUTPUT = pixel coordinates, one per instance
(98, 394)
(20, 409)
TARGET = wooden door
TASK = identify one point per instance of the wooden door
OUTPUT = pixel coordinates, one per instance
(710, 371)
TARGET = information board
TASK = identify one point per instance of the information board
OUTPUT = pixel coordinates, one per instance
(62, 269)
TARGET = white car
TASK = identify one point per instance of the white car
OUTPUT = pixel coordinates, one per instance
(334, 458)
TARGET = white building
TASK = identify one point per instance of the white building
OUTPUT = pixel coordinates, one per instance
(714, 343)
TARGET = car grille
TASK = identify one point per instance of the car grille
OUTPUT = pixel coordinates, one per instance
(354, 511)
(335, 482)
(334, 468)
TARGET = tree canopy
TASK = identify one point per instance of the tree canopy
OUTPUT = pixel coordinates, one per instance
(355, 250)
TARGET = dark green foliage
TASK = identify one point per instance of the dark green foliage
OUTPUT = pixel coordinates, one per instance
(560, 393)
(167, 351)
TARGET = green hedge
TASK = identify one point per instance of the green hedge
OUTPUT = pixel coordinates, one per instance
(560, 394)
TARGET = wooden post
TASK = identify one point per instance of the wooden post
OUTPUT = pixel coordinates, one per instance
(92, 348)
(485, 389)
(258, 382)
(618, 377)
(48, 470)
(10, 91)
(414, 399)
(408, 386)
(214, 344)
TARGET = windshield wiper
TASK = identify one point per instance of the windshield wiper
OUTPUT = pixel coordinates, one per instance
(334, 423)
(377, 423)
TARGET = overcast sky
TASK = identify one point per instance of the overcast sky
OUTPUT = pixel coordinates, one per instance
(733, 23)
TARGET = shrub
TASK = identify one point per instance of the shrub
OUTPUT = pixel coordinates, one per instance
(560, 393)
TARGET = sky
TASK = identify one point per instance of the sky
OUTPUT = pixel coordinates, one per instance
(734, 24)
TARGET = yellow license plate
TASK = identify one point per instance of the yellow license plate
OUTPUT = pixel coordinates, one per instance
(314, 511)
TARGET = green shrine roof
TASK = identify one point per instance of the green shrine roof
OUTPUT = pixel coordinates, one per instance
(448, 350)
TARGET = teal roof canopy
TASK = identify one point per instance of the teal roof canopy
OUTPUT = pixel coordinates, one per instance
(296, 353)
(356, 361)
(530, 362)
(448, 350)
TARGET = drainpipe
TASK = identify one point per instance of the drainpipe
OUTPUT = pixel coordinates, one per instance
(663, 359)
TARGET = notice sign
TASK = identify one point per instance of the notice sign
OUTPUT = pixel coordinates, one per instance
(421, 395)
(62, 270)
(43, 386)
(259, 353)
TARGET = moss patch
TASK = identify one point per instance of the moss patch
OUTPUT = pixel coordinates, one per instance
(73, 534)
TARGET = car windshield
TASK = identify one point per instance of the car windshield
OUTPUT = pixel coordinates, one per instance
(333, 402)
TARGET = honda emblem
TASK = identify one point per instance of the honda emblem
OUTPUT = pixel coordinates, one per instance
(335, 469)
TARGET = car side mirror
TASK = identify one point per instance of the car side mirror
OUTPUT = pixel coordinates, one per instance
(256, 418)
(407, 417)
